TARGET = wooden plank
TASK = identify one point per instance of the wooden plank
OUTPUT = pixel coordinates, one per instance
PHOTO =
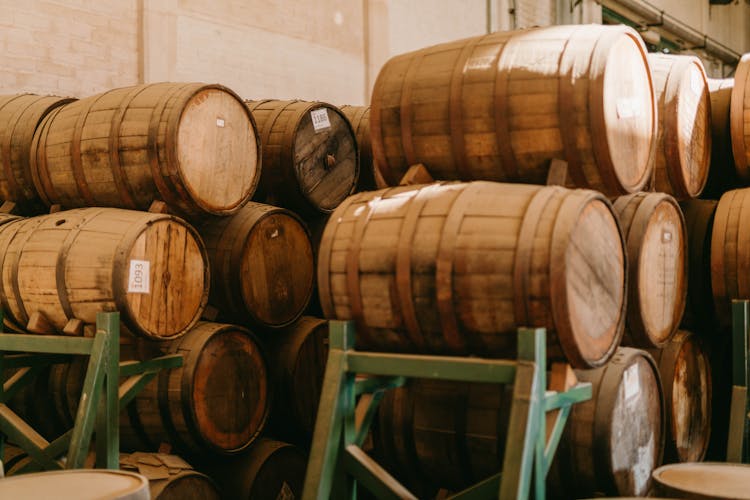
(737, 425)
(372, 476)
(416, 174)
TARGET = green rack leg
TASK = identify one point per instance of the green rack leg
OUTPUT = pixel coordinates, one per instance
(337, 463)
(738, 440)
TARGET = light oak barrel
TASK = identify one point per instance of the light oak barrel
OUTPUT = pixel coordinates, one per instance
(683, 150)
(310, 157)
(20, 115)
(739, 112)
(613, 441)
(722, 175)
(456, 268)
(170, 477)
(359, 117)
(270, 470)
(152, 268)
(499, 107)
(730, 252)
(685, 372)
(703, 481)
(656, 240)
(699, 221)
(191, 145)
(297, 360)
(262, 265)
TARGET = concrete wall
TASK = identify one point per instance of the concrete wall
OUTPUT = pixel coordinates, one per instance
(310, 49)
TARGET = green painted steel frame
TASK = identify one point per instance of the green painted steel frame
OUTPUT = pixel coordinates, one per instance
(101, 399)
(337, 463)
(738, 441)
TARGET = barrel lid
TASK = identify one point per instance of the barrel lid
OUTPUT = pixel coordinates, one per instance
(218, 150)
(229, 386)
(78, 484)
(165, 278)
(626, 100)
(587, 270)
(325, 156)
(706, 480)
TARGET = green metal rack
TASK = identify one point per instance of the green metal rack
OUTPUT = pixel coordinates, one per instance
(338, 464)
(738, 443)
(100, 402)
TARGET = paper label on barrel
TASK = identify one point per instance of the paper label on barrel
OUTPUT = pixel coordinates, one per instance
(632, 382)
(285, 493)
(220, 122)
(628, 107)
(139, 276)
(666, 236)
(320, 119)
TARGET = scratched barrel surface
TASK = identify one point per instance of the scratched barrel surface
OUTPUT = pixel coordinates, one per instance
(501, 106)
(613, 441)
(686, 378)
(270, 470)
(310, 157)
(152, 268)
(191, 145)
(456, 268)
(170, 477)
(262, 266)
(683, 150)
(730, 252)
(655, 237)
(20, 115)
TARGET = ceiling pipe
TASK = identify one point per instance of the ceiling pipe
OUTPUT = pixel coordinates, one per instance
(658, 18)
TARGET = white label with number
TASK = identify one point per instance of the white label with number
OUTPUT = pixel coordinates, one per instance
(320, 119)
(139, 276)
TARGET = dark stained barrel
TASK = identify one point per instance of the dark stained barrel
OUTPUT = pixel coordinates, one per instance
(699, 222)
(359, 117)
(614, 441)
(456, 268)
(269, 470)
(262, 266)
(310, 158)
(722, 175)
(297, 360)
(685, 372)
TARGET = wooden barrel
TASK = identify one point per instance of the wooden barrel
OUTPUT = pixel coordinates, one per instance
(656, 240)
(310, 158)
(170, 477)
(456, 431)
(730, 252)
(683, 149)
(262, 265)
(270, 470)
(685, 373)
(739, 129)
(703, 481)
(216, 402)
(76, 484)
(20, 115)
(501, 106)
(359, 117)
(699, 221)
(298, 356)
(456, 268)
(191, 145)
(722, 175)
(613, 442)
(33, 404)
(152, 268)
